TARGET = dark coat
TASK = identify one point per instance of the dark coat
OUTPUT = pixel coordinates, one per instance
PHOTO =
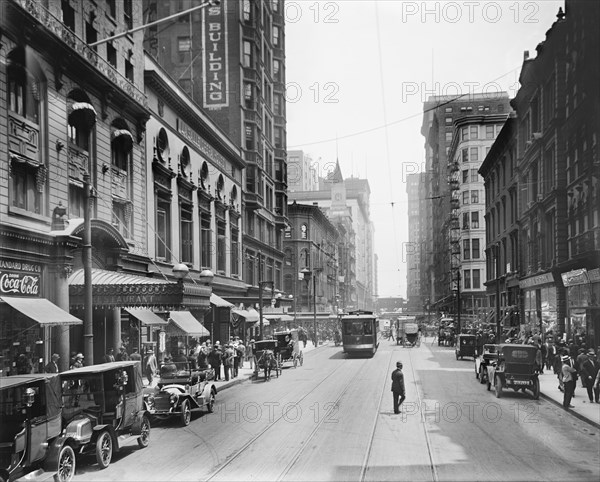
(398, 381)
(589, 370)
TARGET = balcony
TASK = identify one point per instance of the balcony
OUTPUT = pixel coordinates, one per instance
(281, 220)
(253, 200)
(120, 183)
(249, 74)
(78, 162)
(454, 185)
(585, 243)
(55, 36)
(454, 203)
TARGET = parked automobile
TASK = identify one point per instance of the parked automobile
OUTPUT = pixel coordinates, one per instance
(104, 408)
(465, 346)
(180, 390)
(486, 358)
(516, 368)
(31, 444)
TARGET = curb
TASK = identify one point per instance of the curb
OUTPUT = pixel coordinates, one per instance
(581, 417)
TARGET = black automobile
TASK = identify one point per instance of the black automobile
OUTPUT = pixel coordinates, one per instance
(31, 442)
(465, 346)
(516, 368)
(104, 408)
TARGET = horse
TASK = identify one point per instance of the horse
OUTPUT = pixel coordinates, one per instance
(268, 362)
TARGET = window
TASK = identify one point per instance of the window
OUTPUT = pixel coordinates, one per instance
(449, 136)
(277, 70)
(247, 11)
(128, 14)
(489, 132)
(465, 155)
(476, 279)
(247, 58)
(23, 93)
(275, 5)
(184, 44)
(249, 137)
(475, 220)
(91, 35)
(474, 154)
(466, 249)
(112, 8)
(467, 279)
(129, 70)
(278, 104)
(474, 175)
(465, 196)
(465, 221)
(68, 15)
(235, 246)
(111, 55)
(465, 176)
(205, 240)
(304, 231)
(248, 99)
(186, 234)
(448, 120)
(76, 201)
(121, 218)
(475, 248)
(448, 110)
(474, 132)
(221, 247)
(276, 36)
(464, 134)
(163, 228)
(25, 194)
(474, 197)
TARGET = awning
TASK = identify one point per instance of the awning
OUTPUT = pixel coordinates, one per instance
(42, 311)
(82, 114)
(266, 321)
(250, 316)
(185, 322)
(219, 302)
(147, 317)
(124, 135)
(279, 317)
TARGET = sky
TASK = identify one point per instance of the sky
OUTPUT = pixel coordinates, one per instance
(358, 72)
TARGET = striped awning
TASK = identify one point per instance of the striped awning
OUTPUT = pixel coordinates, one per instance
(185, 323)
(250, 316)
(146, 316)
(41, 311)
(219, 302)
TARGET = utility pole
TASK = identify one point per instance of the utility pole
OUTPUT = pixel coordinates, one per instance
(88, 327)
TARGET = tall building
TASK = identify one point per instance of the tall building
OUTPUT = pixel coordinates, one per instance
(440, 115)
(302, 172)
(230, 59)
(348, 199)
(415, 239)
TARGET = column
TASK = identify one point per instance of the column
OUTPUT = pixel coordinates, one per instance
(61, 299)
(116, 322)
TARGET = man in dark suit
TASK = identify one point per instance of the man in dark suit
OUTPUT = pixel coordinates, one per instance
(398, 387)
(52, 366)
(589, 372)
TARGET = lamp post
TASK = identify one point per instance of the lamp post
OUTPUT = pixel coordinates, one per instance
(88, 326)
(260, 304)
(293, 300)
(308, 274)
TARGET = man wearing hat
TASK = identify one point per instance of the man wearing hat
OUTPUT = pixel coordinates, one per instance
(398, 387)
(52, 366)
(568, 377)
(150, 366)
(78, 363)
(589, 372)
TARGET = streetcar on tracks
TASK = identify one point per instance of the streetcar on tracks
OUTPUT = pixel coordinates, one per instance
(360, 333)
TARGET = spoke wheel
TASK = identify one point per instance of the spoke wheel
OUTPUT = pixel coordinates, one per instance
(186, 413)
(482, 375)
(536, 389)
(104, 449)
(66, 464)
(144, 438)
(210, 406)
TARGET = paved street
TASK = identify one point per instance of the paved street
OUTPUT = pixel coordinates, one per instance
(332, 419)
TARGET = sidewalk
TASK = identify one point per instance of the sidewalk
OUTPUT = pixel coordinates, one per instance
(583, 409)
(246, 373)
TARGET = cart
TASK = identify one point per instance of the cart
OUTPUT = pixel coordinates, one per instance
(266, 358)
(288, 347)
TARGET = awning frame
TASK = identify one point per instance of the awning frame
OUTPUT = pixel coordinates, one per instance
(40, 310)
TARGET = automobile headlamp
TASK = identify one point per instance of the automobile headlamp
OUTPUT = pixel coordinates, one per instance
(173, 398)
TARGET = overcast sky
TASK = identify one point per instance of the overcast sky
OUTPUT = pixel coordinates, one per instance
(359, 70)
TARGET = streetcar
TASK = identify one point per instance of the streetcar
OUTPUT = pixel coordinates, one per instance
(360, 333)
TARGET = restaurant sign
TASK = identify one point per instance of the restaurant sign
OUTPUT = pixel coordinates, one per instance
(214, 57)
(20, 279)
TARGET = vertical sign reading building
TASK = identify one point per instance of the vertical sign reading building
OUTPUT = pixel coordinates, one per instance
(214, 56)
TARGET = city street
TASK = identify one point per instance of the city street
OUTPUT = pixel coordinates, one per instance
(332, 419)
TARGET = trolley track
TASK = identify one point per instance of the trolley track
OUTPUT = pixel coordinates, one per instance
(272, 424)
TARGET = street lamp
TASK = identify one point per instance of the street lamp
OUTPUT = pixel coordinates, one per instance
(180, 271)
(291, 298)
(308, 274)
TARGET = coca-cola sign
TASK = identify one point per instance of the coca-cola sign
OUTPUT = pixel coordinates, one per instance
(21, 279)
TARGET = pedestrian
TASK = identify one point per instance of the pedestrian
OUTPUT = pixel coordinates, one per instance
(214, 358)
(180, 359)
(110, 356)
(228, 356)
(589, 373)
(23, 364)
(135, 356)
(241, 353)
(568, 378)
(122, 355)
(52, 366)
(202, 359)
(250, 353)
(150, 366)
(398, 387)
(77, 361)
(550, 353)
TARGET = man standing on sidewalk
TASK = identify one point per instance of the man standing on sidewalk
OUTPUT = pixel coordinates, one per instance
(589, 372)
(398, 387)
(568, 376)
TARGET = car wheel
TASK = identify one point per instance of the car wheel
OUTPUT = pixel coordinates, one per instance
(498, 386)
(186, 413)
(66, 464)
(104, 449)
(482, 376)
(210, 406)
(489, 385)
(536, 389)
(144, 438)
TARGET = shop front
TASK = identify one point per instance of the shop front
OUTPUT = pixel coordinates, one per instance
(28, 321)
(583, 307)
(540, 312)
(244, 324)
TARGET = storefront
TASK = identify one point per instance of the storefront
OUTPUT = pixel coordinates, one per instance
(27, 318)
(583, 307)
(540, 305)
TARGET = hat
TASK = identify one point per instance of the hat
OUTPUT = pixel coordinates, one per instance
(252, 341)
(79, 355)
(591, 352)
(399, 364)
(55, 356)
(565, 358)
(581, 350)
(150, 350)
(217, 342)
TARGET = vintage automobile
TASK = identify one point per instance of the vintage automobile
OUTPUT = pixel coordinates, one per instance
(485, 359)
(465, 346)
(515, 368)
(288, 347)
(180, 390)
(266, 358)
(31, 443)
(103, 408)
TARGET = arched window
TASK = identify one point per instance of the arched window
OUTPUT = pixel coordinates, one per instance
(233, 195)
(81, 119)
(184, 162)
(162, 146)
(219, 188)
(204, 176)
(122, 176)
(121, 145)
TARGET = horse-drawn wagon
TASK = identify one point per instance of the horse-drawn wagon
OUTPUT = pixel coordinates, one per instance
(266, 358)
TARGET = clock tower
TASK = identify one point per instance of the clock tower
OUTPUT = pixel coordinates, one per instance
(338, 189)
